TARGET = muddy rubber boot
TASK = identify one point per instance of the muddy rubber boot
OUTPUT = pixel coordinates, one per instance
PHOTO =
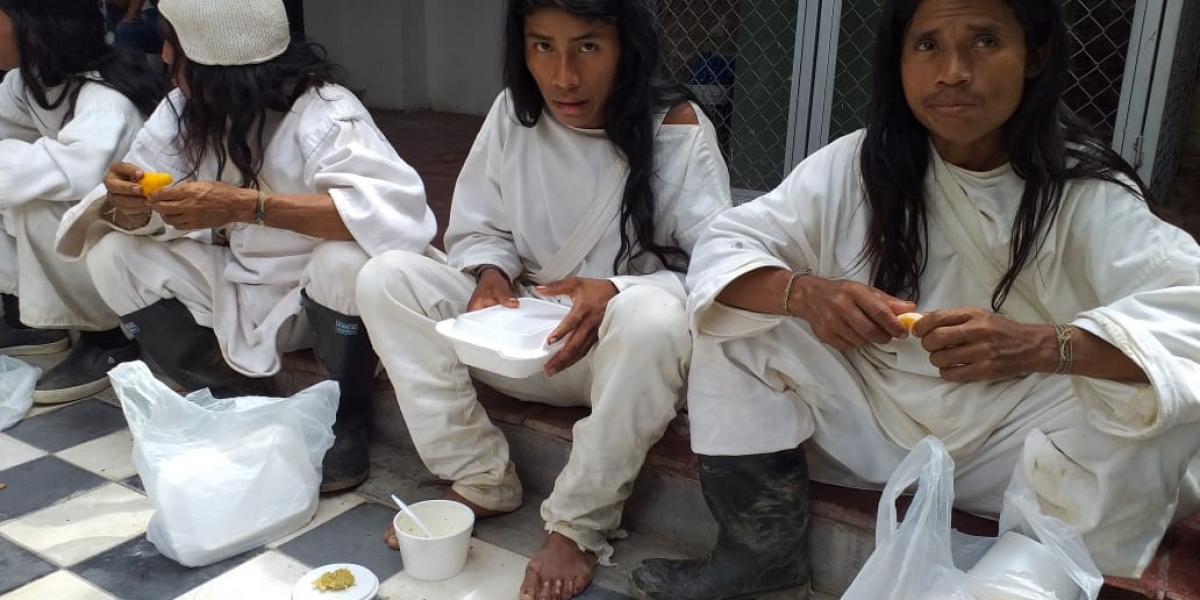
(341, 345)
(760, 503)
(187, 352)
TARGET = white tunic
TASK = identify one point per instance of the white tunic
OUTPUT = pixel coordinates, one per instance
(327, 144)
(43, 158)
(1112, 459)
(47, 163)
(522, 194)
(1108, 266)
(524, 191)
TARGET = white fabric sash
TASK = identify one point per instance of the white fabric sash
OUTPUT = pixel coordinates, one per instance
(605, 209)
(952, 212)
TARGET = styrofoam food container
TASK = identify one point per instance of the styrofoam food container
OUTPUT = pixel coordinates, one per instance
(445, 554)
(1015, 557)
(366, 584)
(506, 341)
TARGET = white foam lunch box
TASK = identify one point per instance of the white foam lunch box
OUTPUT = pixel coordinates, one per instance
(506, 341)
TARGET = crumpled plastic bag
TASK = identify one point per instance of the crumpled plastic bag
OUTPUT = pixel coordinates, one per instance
(17, 380)
(924, 559)
(224, 475)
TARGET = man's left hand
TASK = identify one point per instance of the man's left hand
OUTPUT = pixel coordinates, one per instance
(204, 204)
(581, 326)
(973, 344)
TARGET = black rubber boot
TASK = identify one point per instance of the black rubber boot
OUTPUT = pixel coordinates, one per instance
(84, 371)
(760, 503)
(341, 345)
(189, 353)
(18, 339)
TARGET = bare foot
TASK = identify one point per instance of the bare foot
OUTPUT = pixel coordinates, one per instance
(560, 570)
(480, 513)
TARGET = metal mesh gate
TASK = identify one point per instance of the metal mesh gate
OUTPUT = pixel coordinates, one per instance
(1100, 31)
(737, 56)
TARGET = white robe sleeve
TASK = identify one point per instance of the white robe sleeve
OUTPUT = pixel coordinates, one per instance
(379, 196)
(15, 119)
(65, 168)
(782, 229)
(692, 186)
(479, 231)
(1146, 275)
(84, 224)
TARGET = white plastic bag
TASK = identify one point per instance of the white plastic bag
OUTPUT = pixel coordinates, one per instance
(916, 559)
(224, 475)
(17, 380)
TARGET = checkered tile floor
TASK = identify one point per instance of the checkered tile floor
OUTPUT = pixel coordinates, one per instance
(73, 516)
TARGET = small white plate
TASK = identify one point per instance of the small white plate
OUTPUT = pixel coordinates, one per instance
(366, 584)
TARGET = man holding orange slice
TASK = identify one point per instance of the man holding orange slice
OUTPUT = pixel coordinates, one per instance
(278, 188)
(1058, 348)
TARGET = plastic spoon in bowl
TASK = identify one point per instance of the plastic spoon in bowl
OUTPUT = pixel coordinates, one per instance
(408, 511)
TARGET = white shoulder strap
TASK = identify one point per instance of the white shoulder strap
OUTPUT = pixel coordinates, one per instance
(605, 209)
(950, 211)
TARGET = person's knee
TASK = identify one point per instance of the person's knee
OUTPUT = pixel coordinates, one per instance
(389, 279)
(649, 318)
(106, 260)
(332, 273)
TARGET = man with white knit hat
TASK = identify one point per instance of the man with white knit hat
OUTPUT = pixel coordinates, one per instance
(284, 189)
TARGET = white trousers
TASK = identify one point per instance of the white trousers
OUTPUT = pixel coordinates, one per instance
(783, 387)
(631, 380)
(53, 293)
(254, 323)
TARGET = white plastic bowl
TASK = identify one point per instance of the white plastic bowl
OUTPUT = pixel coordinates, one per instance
(506, 341)
(1019, 559)
(445, 554)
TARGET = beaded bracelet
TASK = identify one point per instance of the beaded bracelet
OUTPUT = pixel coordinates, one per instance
(787, 292)
(260, 209)
(1066, 352)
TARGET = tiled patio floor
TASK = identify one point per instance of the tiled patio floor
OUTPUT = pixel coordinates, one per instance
(73, 516)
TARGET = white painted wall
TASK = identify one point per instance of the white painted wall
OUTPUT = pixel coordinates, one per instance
(463, 44)
(413, 54)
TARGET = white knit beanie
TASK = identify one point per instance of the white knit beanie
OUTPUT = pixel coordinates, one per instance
(228, 32)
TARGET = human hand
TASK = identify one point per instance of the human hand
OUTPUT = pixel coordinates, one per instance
(204, 204)
(973, 344)
(124, 192)
(847, 314)
(493, 288)
(581, 326)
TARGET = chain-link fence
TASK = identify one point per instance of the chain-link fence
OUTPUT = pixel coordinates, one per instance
(1100, 31)
(737, 55)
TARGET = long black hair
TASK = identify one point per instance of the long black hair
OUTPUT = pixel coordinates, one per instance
(1044, 141)
(61, 43)
(227, 106)
(629, 113)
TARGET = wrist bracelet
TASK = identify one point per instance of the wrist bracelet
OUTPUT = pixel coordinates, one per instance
(787, 292)
(478, 272)
(1066, 352)
(260, 209)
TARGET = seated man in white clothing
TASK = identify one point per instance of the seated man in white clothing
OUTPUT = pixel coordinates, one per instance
(1061, 319)
(284, 189)
(70, 107)
(588, 184)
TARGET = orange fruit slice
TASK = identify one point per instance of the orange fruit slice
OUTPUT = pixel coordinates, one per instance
(909, 320)
(152, 182)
